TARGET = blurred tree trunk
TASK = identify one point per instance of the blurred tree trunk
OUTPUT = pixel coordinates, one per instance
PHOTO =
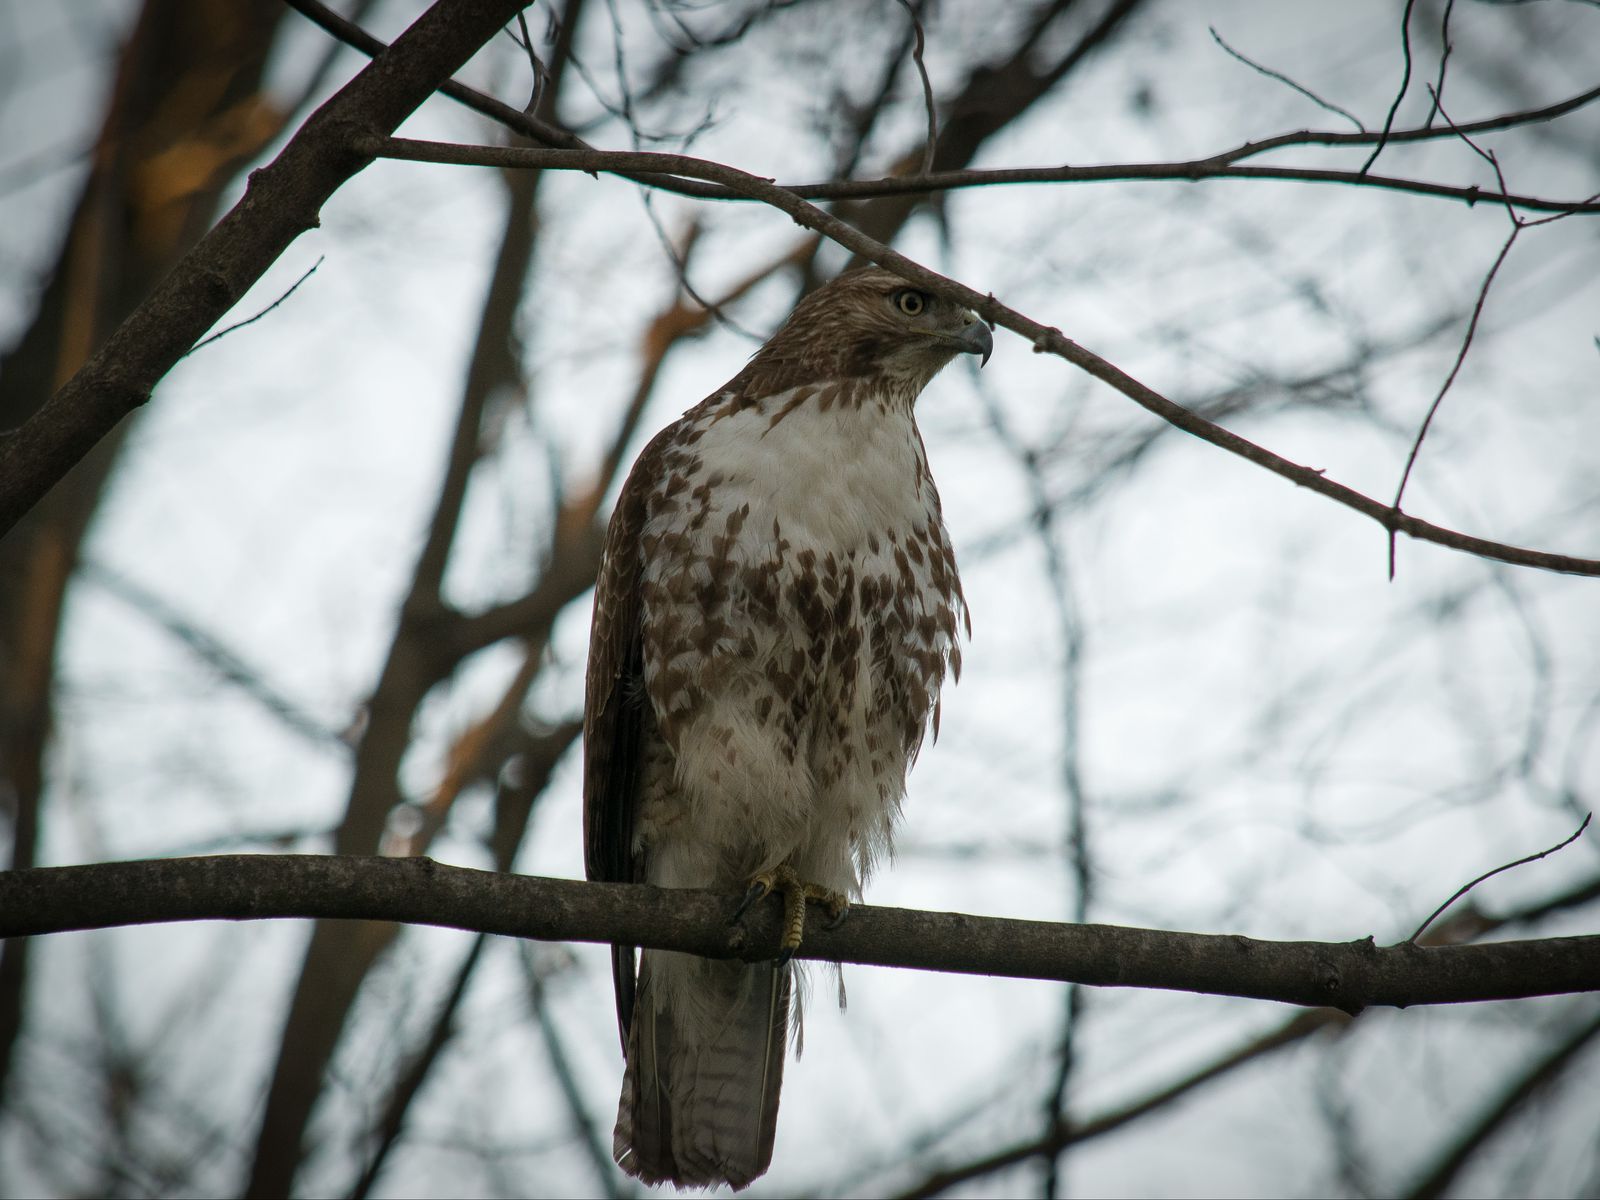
(185, 114)
(342, 953)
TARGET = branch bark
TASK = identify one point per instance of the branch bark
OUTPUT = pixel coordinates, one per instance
(1349, 976)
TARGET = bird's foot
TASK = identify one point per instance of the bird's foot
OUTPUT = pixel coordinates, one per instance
(795, 892)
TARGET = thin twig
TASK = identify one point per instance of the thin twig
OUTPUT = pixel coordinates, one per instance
(680, 265)
(1220, 166)
(1437, 92)
(1455, 369)
(222, 333)
(414, 1072)
(1518, 224)
(927, 89)
(209, 650)
(550, 135)
(1462, 891)
(534, 960)
(1076, 845)
(1405, 83)
(1287, 82)
(535, 64)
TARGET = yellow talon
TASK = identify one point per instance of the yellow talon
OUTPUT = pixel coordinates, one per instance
(795, 893)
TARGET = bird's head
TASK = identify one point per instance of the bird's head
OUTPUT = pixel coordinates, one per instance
(870, 324)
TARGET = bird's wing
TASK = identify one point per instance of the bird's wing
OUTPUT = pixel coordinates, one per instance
(614, 717)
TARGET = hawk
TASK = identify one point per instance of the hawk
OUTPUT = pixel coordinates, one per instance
(776, 608)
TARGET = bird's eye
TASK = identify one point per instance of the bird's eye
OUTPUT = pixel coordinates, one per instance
(911, 303)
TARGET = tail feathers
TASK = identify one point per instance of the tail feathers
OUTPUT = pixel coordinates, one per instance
(705, 1064)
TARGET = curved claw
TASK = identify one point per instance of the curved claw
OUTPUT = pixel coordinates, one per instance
(837, 908)
(795, 893)
(760, 888)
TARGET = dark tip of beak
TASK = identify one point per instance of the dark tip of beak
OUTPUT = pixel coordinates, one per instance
(976, 339)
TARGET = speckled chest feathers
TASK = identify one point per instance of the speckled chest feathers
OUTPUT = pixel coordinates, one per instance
(799, 605)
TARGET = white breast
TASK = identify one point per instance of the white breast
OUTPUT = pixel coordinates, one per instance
(830, 478)
(794, 629)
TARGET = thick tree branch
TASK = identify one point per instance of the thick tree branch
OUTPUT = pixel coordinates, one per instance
(340, 955)
(1045, 339)
(1348, 976)
(283, 200)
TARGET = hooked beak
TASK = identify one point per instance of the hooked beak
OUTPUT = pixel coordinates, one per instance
(976, 338)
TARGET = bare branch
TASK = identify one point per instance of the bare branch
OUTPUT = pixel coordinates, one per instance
(282, 201)
(222, 333)
(284, 198)
(209, 650)
(1214, 166)
(1044, 338)
(1349, 976)
(1462, 891)
(1543, 1072)
(1295, 1030)
(1450, 378)
(927, 88)
(1405, 83)
(1286, 81)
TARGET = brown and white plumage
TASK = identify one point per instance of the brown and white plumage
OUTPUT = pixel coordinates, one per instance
(776, 609)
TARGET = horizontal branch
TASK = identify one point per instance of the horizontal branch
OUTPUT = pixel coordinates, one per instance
(652, 168)
(1349, 976)
(1044, 338)
(1221, 167)
(1214, 166)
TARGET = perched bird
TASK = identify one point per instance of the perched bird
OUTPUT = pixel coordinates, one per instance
(776, 608)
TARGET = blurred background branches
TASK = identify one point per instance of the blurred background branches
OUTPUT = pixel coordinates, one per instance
(327, 591)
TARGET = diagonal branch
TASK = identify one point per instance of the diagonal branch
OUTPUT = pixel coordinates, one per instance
(1292, 1032)
(1523, 861)
(1540, 1075)
(282, 201)
(1326, 105)
(1045, 339)
(212, 652)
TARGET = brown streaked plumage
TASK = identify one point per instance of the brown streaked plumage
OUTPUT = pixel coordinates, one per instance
(775, 612)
